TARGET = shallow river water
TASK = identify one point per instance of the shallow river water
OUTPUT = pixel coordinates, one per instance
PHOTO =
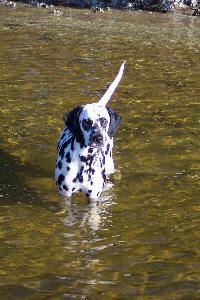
(142, 241)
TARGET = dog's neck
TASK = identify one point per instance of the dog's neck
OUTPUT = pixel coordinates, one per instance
(87, 150)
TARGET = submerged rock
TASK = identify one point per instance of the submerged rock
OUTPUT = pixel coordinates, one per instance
(57, 13)
(152, 5)
(10, 4)
(103, 5)
(96, 8)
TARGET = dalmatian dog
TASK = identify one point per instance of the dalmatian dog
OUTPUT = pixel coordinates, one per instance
(84, 157)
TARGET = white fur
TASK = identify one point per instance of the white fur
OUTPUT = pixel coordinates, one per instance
(106, 97)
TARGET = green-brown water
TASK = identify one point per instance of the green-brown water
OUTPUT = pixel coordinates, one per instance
(142, 242)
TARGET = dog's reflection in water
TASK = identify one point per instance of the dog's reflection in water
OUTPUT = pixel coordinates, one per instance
(78, 212)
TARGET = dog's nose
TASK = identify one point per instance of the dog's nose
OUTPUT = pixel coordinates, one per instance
(97, 138)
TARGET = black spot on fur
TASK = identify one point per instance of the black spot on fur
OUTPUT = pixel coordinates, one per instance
(73, 189)
(67, 155)
(107, 149)
(72, 144)
(89, 191)
(83, 158)
(91, 171)
(87, 195)
(87, 124)
(60, 165)
(103, 122)
(65, 187)
(82, 144)
(68, 169)
(62, 137)
(63, 147)
(103, 175)
(90, 162)
(80, 178)
(86, 159)
(81, 170)
(68, 158)
(61, 177)
(90, 150)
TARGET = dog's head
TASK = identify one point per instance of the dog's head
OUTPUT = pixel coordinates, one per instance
(91, 124)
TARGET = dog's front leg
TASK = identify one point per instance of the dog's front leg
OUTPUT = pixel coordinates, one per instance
(97, 186)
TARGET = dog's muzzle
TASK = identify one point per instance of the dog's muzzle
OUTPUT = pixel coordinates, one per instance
(96, 139)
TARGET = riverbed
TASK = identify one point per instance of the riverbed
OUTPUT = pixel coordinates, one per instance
(142, 240)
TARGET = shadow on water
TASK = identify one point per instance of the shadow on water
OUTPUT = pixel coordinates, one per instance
(20, 183)
(12, 174)
(14, 189)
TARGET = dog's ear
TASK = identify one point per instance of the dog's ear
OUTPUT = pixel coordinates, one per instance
(72, 121)
(115, 121)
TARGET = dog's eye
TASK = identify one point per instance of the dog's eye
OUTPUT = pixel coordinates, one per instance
(87, 123)
(103, 122)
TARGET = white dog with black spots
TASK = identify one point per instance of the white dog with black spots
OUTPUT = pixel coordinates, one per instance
(84, 156)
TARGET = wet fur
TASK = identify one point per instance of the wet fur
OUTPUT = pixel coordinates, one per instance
(84, 157)
(82, 165)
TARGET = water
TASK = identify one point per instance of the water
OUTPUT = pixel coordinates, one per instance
(142, 241)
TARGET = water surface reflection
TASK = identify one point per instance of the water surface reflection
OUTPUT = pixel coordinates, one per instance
(142, 240)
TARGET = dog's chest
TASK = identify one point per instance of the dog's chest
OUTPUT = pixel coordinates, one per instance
(79, 169)
(83, 164)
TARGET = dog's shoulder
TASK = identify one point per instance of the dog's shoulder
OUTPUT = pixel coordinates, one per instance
(66, 139)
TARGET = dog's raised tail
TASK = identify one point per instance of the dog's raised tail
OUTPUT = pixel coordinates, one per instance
(106, 97)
